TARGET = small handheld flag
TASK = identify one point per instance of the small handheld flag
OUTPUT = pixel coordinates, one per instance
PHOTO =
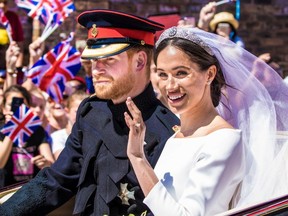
(56, 67)
(5, 22)
(21, 126)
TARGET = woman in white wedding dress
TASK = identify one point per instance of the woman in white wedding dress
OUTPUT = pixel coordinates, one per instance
(218, 154)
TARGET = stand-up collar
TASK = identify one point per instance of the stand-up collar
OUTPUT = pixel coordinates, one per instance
(145, 101)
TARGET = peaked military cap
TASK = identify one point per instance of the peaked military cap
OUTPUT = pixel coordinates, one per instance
(112, 32)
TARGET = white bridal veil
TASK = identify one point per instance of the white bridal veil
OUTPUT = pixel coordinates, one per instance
(257, 103)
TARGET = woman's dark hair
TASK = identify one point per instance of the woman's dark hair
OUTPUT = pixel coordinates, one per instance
(204, 60)
(19, 89)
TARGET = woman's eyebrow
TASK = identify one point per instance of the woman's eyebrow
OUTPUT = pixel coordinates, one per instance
(175, 68)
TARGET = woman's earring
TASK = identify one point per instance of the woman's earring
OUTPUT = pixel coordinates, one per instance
(208, 82)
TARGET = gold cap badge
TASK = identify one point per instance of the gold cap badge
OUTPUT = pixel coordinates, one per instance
(94, 30)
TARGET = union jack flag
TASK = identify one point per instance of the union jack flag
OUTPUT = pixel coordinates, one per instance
(5, 22)
(56, 90)
(63, 7)
(27, 5)
(53, 13)
(45, 15)
(60, 10)
(50, 12)
(35, 8)
(3, 19)
(21, 126)
(55, 68)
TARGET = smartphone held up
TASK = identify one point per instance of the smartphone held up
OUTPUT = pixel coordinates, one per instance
(16, 103)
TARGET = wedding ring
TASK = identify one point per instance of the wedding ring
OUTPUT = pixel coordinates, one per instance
(137, 125)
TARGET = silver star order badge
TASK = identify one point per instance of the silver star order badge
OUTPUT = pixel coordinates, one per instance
(125, 194)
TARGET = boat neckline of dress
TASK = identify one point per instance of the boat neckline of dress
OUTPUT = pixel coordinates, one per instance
(234, 130)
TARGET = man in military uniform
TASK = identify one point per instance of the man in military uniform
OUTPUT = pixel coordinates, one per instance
(94, 163)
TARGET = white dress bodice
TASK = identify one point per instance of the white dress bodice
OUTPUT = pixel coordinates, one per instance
(198, 176)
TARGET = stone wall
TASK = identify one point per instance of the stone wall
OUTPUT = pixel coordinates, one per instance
(263, 23)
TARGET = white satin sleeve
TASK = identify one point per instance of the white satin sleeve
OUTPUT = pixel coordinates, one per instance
(208, 182)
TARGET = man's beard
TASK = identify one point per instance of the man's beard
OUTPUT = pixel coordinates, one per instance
(116, 88)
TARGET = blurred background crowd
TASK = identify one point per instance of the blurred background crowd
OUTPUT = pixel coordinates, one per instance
(261, 27)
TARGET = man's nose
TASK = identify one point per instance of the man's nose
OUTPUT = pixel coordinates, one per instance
(98, 66)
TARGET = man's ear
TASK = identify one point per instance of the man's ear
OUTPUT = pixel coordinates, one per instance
(141, 60)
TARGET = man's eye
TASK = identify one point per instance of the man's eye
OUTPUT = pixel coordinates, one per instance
(109, 59)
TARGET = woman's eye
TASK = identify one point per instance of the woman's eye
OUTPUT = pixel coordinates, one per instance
(162, 75)
(181, 73)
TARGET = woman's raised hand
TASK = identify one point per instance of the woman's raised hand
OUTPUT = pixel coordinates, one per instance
(137, 128)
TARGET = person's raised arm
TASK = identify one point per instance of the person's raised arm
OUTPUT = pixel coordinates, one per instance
(206, 15)
(36, 49)
(12, 55)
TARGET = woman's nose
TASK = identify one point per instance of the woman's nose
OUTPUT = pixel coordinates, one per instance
(171, 83)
